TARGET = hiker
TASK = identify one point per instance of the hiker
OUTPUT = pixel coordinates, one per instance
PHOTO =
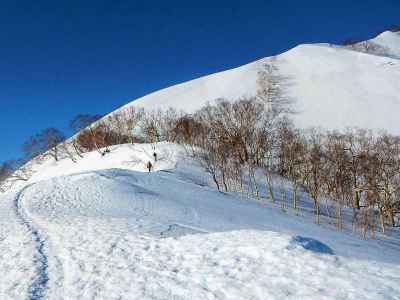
(105, 152)
(149, 166)
(155, 156)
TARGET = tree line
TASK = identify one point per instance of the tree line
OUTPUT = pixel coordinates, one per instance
(245, 153)
(249, 146)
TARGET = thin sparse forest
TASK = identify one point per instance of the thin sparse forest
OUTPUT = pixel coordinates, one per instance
(250, 146)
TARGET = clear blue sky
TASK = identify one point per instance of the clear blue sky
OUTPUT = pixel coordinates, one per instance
(59, 58)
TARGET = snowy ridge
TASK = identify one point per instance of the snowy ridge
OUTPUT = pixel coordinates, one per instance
(333, 87)
(389, 40)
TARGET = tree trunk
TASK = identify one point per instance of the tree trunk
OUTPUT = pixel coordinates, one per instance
(216, 181)
(357, 199)
(295, 196)
(270, 186)
(76, 150)
(339, 216)
(224, 181)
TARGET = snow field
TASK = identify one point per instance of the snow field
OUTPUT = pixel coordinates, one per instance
(124, 234)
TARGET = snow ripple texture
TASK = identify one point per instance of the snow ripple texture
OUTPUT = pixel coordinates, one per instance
(102, 233)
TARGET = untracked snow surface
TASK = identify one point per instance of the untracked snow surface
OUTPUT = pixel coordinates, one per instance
(332, 87)
(390, 41)
(106, 229)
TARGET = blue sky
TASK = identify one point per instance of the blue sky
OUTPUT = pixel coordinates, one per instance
(60, 58)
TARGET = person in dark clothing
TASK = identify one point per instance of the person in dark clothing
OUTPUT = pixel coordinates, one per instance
(155, 156)
(149, 166)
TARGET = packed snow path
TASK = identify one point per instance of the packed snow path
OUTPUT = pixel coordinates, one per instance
(39, 285)
(17, 251)
(101, 233)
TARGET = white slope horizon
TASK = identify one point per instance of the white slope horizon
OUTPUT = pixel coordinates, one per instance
(333, 87)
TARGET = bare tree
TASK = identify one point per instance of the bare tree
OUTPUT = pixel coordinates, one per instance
(122, 123)
(292, 157)
(366, 47)
(186, 130)
(82, 121)
(45, 142)
(387, 163)
(337, 178)
(273, 90)
(133, 117)
(14, 171)
(66, 150)
(6, 171)
(315, 169)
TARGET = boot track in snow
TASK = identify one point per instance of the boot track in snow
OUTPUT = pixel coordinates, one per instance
(39, 286)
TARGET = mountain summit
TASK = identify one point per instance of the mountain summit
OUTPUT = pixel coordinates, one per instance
(333, 87)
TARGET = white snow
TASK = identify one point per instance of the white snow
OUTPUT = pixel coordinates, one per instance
(337, 88)
(389, 40)
(17, 248)
(107, 229)
(333, 87)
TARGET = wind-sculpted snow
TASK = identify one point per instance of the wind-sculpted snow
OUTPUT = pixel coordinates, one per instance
(114, 233)
(108, 228)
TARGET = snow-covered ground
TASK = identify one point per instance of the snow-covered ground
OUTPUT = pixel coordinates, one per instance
(104, 228)
(333, 87)
(390, 41)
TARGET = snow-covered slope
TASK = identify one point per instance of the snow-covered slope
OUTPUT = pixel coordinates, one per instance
(333, 87)
(390, 41)
(108, 230)
(102, 227)
(336, 88)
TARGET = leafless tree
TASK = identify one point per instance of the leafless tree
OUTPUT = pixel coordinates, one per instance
(82, 121)
(314, 170)
(367, 47)
(292, 157)
(337, 178)
(272, 90)
(45, 142)
(6, 171)
(387, 166)
(133, 117)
